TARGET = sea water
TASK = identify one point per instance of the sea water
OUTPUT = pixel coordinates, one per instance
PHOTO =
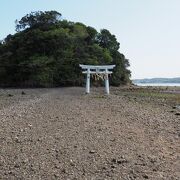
(158, 84)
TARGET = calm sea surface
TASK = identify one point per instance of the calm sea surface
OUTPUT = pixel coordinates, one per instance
(158, 84)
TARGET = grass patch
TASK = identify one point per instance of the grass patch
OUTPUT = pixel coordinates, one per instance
(152, 94)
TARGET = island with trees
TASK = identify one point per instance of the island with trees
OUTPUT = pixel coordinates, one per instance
(46, 51)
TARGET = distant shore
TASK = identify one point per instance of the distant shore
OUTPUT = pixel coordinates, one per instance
(159, 84)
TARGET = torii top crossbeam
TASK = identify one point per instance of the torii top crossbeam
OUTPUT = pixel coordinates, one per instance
(97, 66)
(97, 69)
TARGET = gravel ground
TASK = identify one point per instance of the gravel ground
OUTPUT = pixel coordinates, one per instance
(64, 134)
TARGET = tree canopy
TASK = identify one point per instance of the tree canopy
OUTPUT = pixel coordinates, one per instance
(47, 50)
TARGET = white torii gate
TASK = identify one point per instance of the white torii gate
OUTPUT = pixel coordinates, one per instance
(91, 69)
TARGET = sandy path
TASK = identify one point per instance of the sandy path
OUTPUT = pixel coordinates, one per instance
(64, 134)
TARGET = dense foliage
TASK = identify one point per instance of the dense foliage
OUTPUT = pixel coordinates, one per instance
(47, 50)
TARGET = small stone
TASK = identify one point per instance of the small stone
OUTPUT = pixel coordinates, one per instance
(57, 166)
(153, 160)
(17, 139)
(176, 107)
(56, 175)
(10, 95)
(71, 162)
(63, 171)
(177, 114)
(25, 161)
(23, 93)
(39, 139)
(113, 166)
(29, 125)
(57, 150)
(114, 160)
(145, 176)
(10, 172)
(16, 165)
(92, 151)
(122, 161)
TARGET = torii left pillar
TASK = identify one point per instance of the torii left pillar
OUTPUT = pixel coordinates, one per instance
(88, 77)
(107, 82)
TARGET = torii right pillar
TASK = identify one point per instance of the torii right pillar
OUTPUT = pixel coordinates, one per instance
(107, 82)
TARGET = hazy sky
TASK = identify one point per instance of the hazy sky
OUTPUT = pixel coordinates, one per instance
(148, 30)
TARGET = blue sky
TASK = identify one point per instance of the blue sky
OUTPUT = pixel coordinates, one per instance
(148, 30)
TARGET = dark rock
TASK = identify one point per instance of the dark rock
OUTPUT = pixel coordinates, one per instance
(114, 160)
(72, 164)
(176, 107)
(57, 166)
(56, 175)
(92, 151)
(113, 166)
(119, 161)
(10, 95)
(145, 176)
(113, 140)
(10, 172)
(63, 170)
(17, 140)
(177, 114)
(23, 93)
(122, 161)
(16, 165)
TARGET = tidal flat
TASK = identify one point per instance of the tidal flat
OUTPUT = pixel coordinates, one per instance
(63, 133)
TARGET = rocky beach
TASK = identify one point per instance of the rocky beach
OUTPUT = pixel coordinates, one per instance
(62, 133)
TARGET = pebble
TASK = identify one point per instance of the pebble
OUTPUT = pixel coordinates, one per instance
(10, 95)
(92, 151)
(17, 140)
(16, 165)
(113, 166)
(177, 114)
(23, 93)
(30, 125)
(145, 176)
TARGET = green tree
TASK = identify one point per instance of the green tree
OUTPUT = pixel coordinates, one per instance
(106, 40)
(38, 19)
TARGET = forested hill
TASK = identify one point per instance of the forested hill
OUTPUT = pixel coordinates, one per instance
(46, 51)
